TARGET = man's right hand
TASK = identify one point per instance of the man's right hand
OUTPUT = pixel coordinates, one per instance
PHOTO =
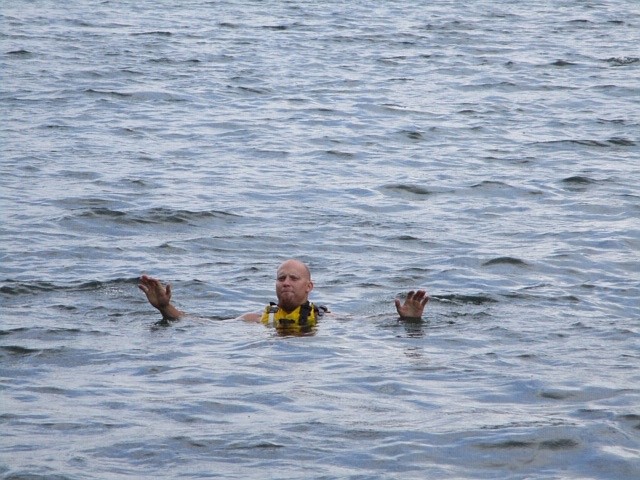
(159, 296)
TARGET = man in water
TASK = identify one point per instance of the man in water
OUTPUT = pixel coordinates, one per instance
(293, 285)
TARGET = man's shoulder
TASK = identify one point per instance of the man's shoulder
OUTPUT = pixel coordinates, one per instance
(251, 317)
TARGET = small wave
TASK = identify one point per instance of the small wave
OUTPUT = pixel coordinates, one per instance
(407, 188)
(622, 61)
(153, 33)
(490, 184)
(464, 299)
(412, 134)
(555, 444)
(563, 63)
(18, 288)
(623, 142)
(556, 394)
(154, 215)
(615, 141)
(508, 444)
(340, 154)
(20, 53)
(559, 444)
(258, 91)
(505, 261)
(277, 28)
(110, 93)
(171, 61)
(18, 350)
(578, 180)
(13, 287)
(12, 331)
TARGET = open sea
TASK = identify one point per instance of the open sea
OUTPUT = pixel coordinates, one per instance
(485, 150)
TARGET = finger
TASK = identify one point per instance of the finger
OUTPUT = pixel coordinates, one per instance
(168, 290)
(410, 295)
(143, 288)
(148, 281)
(419, 295)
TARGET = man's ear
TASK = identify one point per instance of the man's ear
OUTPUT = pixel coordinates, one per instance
(310, 286)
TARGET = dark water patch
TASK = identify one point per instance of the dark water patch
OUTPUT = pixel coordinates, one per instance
(614, 121)
(14, 287)
(107, 93)
(258, 91)
(50, 391)
(556, 444)
(154, 216)
(559, 444)
(503, 86)
(162, 215)
(20, 53)
(161, 60)
(18, 350)
(172, 61)
(413, 134)
(507, 445)
(622, 142)
(277, 28)
(259, 445)
(25, 474)
(622, 61)
(11, 331)
(527, 356)
(173, 248)
(407, 188)
(578, 180)
(632, 418)
(407, 238)
(556, 394)
(95, 285)
(339, 154)
(79, 174)
(137, 452)
(460, 299)
(153, 33)
(492, 184)
(505, 261)
(55, 126)
(562, 63)
(573, 143)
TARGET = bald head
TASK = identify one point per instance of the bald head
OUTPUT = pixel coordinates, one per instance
(293, 284)
(293, 264)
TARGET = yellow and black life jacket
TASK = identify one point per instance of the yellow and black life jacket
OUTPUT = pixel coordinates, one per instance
(305, 316)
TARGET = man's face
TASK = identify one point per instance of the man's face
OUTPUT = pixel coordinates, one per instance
(292, 285)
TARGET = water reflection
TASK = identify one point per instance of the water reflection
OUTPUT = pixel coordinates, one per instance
(295, 331)
(415, 327)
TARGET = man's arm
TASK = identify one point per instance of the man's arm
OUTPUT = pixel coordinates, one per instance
(413, 305)
(159, 297)
(251, 317)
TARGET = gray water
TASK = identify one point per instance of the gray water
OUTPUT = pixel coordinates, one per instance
(487, 151)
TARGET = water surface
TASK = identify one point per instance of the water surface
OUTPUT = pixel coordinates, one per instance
(486, 151)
